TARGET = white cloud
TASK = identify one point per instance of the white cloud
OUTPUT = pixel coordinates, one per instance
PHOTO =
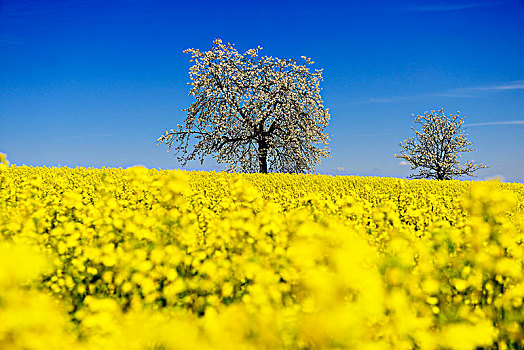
(9, 41)
(500, 178)
(341, 168)
(469, 92)
(451, 94)
(511, 85)
(511, 122)
(403, 163)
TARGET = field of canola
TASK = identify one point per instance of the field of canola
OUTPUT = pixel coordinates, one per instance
(147, 259)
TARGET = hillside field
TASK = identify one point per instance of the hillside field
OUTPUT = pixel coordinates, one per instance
(149, 259)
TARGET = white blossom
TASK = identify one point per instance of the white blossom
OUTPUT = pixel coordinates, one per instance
(434, 150)
(256, 114)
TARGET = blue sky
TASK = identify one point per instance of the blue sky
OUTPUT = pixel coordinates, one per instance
(96, 82)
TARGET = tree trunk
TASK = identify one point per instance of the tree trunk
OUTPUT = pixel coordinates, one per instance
(262, 156)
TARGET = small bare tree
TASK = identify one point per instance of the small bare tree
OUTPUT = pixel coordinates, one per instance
(434, 150)
(257, 114)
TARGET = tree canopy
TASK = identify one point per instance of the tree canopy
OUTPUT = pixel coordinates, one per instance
(434, 151)
(256, 114)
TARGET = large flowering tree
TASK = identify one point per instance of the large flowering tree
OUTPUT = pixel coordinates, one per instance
(434, 150)
(256, 114)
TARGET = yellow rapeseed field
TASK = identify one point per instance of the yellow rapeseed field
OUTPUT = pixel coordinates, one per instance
(148, 259)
